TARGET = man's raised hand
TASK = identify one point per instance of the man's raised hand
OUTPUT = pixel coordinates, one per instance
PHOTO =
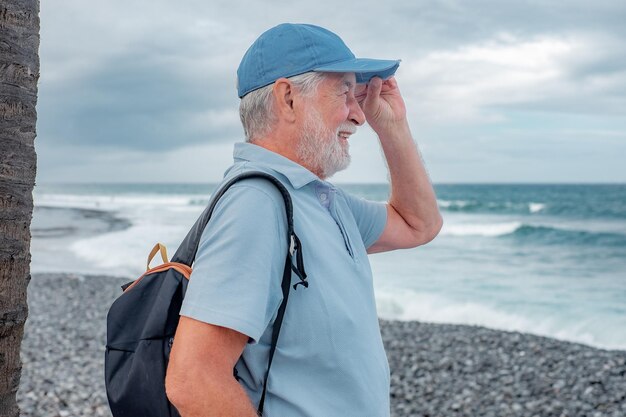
(382, 104)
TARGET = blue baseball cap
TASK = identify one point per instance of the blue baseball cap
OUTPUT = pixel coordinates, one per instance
(290, 49)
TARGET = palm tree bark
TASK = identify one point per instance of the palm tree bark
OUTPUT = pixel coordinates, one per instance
(19, 72)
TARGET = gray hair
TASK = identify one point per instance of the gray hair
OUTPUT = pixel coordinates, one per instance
(255, 109)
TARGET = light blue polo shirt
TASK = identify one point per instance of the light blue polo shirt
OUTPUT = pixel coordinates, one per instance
(329, 359)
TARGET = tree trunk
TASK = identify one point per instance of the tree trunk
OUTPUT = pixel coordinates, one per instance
(19, 72)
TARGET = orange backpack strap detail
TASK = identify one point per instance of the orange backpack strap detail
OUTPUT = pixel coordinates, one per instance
(185, 270)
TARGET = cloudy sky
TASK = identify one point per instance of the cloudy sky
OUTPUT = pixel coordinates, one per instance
(524, 91)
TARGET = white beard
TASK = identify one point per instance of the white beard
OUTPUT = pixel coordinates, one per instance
(320, 149)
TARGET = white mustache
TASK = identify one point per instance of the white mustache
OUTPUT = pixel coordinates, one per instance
(348, 128)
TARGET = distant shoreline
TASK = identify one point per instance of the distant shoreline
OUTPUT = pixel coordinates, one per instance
(436, 369)
(62, 221)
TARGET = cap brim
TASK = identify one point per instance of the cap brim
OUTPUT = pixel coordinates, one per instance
(364, 68)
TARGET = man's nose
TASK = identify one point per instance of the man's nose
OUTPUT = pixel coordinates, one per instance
(356, 114)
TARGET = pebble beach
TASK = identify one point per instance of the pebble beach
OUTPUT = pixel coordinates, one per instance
(436, 369)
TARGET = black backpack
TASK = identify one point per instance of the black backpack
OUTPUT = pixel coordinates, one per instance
(141, 323)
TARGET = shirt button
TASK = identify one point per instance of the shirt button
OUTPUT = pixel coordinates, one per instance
(323, 196)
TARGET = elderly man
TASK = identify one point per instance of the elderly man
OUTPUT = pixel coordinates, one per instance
(303, 94)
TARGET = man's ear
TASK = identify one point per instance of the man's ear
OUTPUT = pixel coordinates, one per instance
(283, 92)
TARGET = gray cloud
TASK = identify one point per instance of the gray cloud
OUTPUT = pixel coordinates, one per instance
(135, 101)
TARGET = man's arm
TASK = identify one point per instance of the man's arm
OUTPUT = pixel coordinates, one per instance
(200, 381)
(232, 294)
(413, 217)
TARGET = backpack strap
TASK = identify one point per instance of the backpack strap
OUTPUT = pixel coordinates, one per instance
(186, 254)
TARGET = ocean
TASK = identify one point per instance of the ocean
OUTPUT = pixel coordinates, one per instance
(543, 259)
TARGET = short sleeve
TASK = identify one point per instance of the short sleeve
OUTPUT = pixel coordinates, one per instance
(370, 217)
(236, 278)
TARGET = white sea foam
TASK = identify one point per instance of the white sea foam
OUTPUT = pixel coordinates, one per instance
(114, 202)
(124, 252)
(480, 229)
(459, 227)
(452, 203)
(434, 308)
(153, 217)
(536, 207)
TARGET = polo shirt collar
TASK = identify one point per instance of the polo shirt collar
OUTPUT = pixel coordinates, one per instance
(297, 175)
